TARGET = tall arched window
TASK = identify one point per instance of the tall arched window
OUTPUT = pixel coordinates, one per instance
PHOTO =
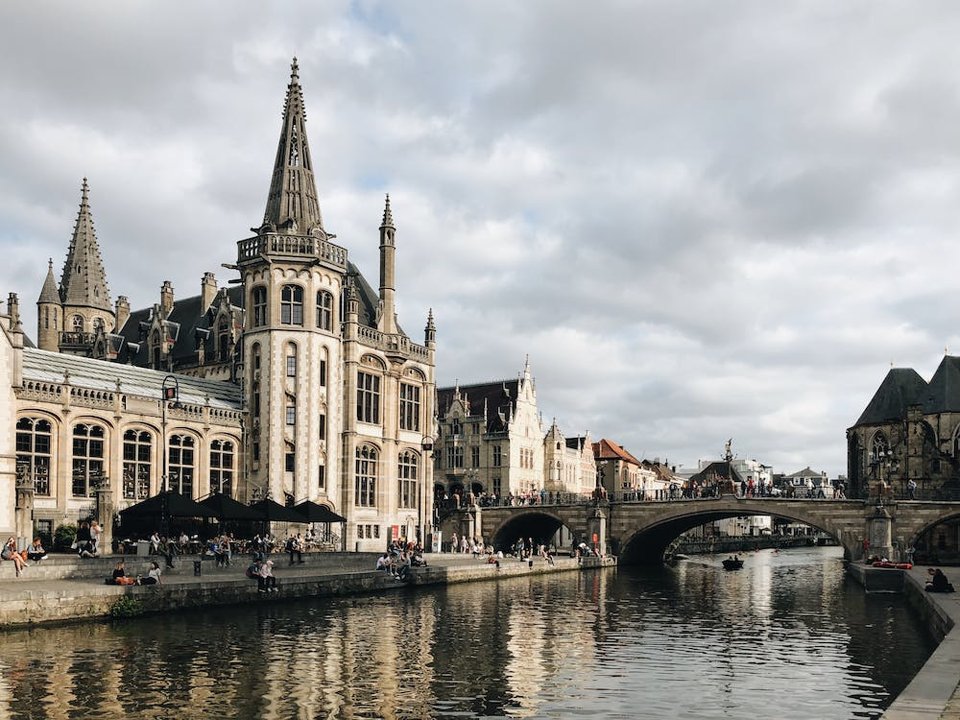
(77, 323)
(291, 360)
(291, 305)
(223, 338)
(137, 467)
(880, 448)
(180, 464)
(221, 467)
(366, 476)
(324, 310)
(87, 459)
(33, 453)
(259, 303)
(408, 474)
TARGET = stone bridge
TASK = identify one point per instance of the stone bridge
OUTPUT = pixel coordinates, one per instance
(640, 532)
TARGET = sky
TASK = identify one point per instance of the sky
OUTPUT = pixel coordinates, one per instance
(699, 220)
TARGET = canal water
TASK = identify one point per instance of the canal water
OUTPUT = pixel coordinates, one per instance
(786, 637)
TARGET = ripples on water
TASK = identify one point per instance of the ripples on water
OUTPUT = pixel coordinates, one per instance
(787, 637)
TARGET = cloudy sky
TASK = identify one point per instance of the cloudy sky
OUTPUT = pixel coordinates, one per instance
(700, 220)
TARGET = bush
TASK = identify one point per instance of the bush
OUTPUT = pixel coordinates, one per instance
(126, 606)
(63, 537)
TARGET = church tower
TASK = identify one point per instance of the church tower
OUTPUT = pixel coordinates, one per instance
(69, 318)
(293, 278)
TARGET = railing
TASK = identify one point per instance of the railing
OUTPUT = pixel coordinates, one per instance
(33, 390)
(75, 338)
(91, 398)
(292, 245)
(391, 342)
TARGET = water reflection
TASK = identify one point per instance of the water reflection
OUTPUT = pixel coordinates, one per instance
(788, 635)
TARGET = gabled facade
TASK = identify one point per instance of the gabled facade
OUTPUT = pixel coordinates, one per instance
(569, 463)
(619, 472)
(910, 430)
(329, 400)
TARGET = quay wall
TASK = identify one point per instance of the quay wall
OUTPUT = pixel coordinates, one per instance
(69, 600)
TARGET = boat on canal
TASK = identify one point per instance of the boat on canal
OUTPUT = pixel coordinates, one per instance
(733, 563)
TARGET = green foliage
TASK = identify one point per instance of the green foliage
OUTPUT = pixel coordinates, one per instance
(63, 537)
(126, 606)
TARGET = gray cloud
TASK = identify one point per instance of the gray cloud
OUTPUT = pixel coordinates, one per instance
(700, 220)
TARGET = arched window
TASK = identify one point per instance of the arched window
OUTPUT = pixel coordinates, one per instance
(137, 467)
(223, 339)
(180, 464)
(33, 453)
(291, 305)
(221, 467)
(324, 310)
(259, 303)
(879, 449)
(87, 459)
(366, 476)
(77, 323)
(408, 474)
(291, 360)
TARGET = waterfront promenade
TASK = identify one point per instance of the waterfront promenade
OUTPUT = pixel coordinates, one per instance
(66, 588)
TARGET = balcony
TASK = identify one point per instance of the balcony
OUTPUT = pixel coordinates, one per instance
(294, 247)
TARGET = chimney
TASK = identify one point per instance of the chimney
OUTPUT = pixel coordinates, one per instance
(13, 310)
(166, 299)
(122, 311)
(208, 291)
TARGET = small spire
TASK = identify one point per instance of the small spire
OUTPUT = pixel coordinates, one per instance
(84, 192)
(294, 70)
(387, 215)
(49, 293)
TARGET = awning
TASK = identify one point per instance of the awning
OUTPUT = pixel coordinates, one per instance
(225, 507)
(272, 511)
(315, 513)
(173, 504)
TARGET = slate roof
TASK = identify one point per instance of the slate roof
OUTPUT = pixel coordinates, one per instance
(500, 397)
(805, 473)
(44, 366)
(943, 392)
(901, 388)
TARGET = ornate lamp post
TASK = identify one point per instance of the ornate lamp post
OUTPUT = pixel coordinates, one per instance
(169, 393)
(427, 445)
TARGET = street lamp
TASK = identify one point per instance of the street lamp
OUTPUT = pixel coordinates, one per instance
(168, 393)
(427, 445)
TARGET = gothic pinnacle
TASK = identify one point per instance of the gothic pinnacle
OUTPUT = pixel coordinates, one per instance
(387, 215)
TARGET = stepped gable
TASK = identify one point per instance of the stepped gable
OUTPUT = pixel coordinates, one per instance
(188, 318)
(84, 282)
(943, 391)
(499, 398)
(901, 388)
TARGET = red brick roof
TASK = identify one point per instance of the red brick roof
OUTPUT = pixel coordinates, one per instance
(609, 450)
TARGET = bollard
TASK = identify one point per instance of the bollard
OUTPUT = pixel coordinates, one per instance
(197, 567)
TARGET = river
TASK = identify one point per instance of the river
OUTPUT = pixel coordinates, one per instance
(789, 636)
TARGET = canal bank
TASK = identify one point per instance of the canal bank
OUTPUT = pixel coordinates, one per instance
(934, 693)
(67, 589)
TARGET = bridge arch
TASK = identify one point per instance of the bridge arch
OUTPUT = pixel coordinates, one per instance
(539, 523)
(641, 534)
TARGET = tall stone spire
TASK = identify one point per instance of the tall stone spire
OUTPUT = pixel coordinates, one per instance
(388, 264)
(292, 202)
(84, 282)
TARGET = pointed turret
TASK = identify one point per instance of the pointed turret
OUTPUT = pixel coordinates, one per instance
(388, 322)
(292, 202)
(84, 282)
(430, 331)
(48, 313)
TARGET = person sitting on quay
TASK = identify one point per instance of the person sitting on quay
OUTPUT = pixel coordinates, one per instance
(168, 548)
(95, 532)
(120, 576)
(155, 543)
(153, 575)
(36, 552)
(295, 547)
(267, 582)
(84, 541)
(938, 582)
(10, 552)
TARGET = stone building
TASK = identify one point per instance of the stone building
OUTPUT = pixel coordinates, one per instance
(300, 378)
(491, 441)
(910, 430)
(620, 474)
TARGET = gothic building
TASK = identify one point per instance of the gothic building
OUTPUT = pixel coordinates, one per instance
(298, 383)
(491, 441)
(910, 430)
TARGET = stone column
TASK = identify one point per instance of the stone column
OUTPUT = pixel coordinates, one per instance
(104, 497)
(880, 533)
(23, 515)
(474, 521)
(597, 530)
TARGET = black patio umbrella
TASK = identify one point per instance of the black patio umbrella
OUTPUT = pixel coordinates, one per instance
(172, 503)
(225, 507)
(272, 511)
(315, 513)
